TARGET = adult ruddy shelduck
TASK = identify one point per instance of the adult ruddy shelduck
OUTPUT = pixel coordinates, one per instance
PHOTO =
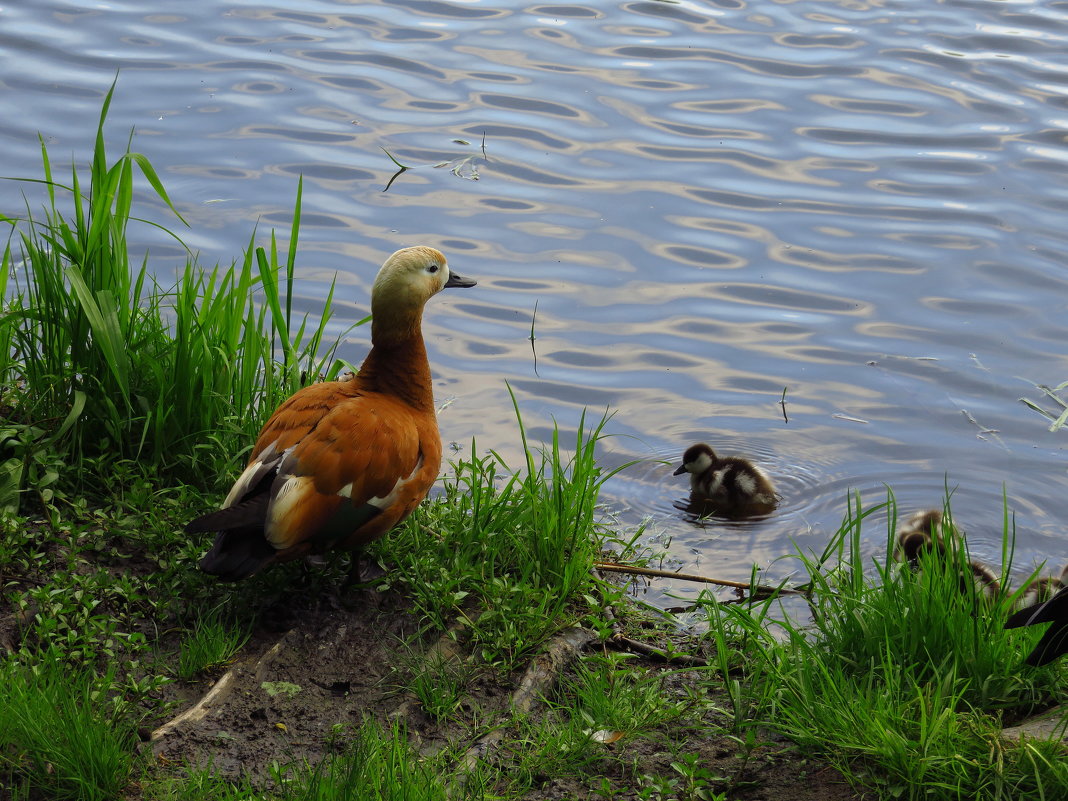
(342, 462)
(734, 486)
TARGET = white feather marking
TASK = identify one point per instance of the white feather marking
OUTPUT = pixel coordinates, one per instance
(391, 498)
(700, 464)
(292, 491)
(244, 481)
(713, 486)
(746, 483)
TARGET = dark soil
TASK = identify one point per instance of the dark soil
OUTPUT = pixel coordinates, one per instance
(309, 675)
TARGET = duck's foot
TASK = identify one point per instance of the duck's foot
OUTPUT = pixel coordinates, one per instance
(363, 572)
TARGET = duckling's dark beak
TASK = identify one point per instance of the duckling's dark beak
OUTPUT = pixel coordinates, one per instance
(680, 470)
(457, 280)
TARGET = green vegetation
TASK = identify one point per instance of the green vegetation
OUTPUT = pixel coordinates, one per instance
(507, 551)
(60, 734)
(209, 646)
(903, 677)
(99, 363)
(120, 399)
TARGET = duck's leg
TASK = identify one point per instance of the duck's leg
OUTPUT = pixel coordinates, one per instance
(363, 571)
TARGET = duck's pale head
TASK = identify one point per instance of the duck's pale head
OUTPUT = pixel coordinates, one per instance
(697, 459)
(407, 280)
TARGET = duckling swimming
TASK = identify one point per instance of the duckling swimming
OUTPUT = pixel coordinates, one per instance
(732, 485)
(926, 532)
(919, 534)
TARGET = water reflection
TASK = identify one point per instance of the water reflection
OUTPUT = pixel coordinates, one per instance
(858, 203)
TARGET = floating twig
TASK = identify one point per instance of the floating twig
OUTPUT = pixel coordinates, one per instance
(847, 418)
(782, 403)
(533, 317)
(402, 168)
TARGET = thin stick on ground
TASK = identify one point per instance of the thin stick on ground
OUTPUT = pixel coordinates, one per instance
(758, 589)
(541, 674)
(622, 642)
(218, 693)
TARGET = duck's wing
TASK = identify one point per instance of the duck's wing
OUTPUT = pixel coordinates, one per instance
(291, 422)
(328, 466)
(364, 458)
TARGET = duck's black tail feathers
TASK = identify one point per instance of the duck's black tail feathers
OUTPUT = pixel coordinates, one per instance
(1054, 642)
(237, 554)
(240, 548)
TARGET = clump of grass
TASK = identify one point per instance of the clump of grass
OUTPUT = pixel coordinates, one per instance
(209, 646)
(603, 707)
(518, 546)
(437, 680)
(100, 362)
(379, 765)
(59, 736)
(903, 676)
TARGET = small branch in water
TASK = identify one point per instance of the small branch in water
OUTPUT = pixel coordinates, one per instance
(403, 168)
(758, 589)
(533, 317)
(782, 403)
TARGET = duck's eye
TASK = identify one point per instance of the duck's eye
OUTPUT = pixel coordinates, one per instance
(433, 268)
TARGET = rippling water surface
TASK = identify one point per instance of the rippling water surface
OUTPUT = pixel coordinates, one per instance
(860, 202)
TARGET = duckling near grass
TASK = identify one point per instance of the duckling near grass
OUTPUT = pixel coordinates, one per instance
(730, 484)
(1054, 642)
(920, 533)
(1041, 589)
(342, 462)
(926, 532)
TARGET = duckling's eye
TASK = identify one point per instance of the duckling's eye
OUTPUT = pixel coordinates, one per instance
(433, 268)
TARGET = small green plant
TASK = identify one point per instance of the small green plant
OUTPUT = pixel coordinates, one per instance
(611, 696)
(380, 764)
(438, 680)
(209, 646)
(696, 781)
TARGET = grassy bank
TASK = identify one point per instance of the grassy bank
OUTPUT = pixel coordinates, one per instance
(454, 677)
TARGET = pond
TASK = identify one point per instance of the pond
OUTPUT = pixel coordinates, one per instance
(859, 203)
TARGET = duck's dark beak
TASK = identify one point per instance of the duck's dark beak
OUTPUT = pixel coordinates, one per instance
(680, 470)
(457, 280)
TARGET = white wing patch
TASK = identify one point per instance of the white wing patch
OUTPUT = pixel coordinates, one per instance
(248, 478)
(391, 498)
(292, 491)
(746, 483)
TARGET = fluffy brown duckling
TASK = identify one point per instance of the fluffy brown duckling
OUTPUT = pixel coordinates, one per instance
(732, 485)
(926, 532)
(1054, 642)
(1041, 589)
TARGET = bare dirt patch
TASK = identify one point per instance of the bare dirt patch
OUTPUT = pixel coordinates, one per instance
(309, 674)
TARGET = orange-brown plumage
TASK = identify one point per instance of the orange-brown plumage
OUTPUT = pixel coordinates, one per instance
(342, 462)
